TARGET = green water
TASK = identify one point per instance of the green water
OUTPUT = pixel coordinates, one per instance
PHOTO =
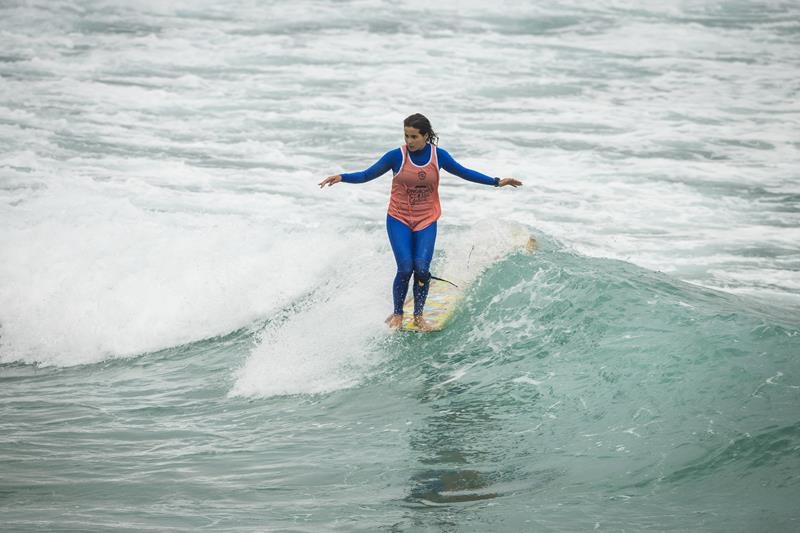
(570, 394)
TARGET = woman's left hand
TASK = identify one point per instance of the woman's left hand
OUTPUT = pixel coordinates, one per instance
(510, 181)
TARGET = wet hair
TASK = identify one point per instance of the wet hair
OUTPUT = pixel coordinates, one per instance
(421, 123)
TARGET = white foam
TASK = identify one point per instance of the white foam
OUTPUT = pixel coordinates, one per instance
(100, 278)
(325, 342)
(199, 136)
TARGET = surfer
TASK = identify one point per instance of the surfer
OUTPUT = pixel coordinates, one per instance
(414, 208)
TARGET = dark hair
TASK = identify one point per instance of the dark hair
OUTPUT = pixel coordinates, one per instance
(421, 123)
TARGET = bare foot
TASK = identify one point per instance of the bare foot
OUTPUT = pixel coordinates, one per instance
(421, 324)
(395, 321)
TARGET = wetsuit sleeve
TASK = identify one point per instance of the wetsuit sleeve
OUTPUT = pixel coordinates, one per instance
(447, 162)
(391, 160)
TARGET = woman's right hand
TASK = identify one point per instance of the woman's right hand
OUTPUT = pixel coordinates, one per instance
(330, 180)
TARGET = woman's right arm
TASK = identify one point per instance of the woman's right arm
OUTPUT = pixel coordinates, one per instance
(390, 160)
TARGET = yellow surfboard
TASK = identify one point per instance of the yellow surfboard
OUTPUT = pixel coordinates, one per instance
(444, 298)
(440, 306)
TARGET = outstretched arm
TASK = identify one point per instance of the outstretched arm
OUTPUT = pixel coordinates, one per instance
(390, 160)
(454, 167)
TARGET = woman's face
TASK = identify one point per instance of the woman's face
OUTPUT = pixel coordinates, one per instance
(414, 139)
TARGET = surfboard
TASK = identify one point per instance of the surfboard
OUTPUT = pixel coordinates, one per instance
(444, 298)
(440, 306)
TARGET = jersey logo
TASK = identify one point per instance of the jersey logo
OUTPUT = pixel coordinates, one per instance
(419, 195)
(422, 175)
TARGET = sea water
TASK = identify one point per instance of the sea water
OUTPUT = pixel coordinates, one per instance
(191, 331)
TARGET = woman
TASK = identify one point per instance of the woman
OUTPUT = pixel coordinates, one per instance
(414, 207)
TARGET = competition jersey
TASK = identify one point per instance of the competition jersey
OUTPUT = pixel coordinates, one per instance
(415, 192)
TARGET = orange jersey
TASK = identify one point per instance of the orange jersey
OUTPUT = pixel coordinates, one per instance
(415, 192)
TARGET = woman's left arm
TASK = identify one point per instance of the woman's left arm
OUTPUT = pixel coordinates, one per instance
(447, 162)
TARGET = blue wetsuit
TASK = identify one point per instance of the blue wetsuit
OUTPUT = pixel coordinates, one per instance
(413, 250)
